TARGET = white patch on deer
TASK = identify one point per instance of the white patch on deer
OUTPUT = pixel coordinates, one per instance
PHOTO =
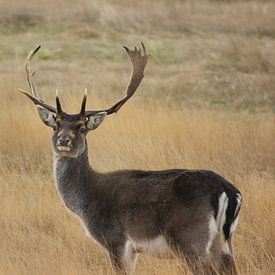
(226, 248)
(234, 225)
(129, 257)
(213, 231)
(157, 246)
(239, 202)
(235, 222)
(221, 216)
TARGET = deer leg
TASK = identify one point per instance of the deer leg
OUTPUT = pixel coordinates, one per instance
(191, 244)
(129, 257)
(227, 264)
(123, 258)
(199, 264)
(116, 262)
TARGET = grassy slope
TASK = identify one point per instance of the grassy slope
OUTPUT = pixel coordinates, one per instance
(207, 102)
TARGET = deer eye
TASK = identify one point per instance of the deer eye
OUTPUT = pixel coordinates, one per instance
(54, 127)
(82, 130)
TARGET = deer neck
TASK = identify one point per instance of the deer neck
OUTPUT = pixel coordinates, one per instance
(76, 181)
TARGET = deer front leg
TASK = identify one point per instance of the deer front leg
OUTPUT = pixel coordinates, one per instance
(123, 258)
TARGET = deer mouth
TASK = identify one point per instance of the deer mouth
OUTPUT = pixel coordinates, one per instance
(64, 148)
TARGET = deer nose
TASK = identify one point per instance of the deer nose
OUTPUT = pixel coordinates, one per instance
(64, 140)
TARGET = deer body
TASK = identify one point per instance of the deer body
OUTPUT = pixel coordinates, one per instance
(189, 212)
(147, 211)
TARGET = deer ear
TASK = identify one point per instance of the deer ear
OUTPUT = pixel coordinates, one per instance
(95, 120)
(46, 116)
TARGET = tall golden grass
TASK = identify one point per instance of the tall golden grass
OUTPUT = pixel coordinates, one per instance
(207, 102)
(38, 236)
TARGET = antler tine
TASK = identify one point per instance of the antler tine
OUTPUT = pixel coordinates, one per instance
(58, 104)
(83, 104)
(34, 95)
(139, 62)
(38, 102)
(28, 70)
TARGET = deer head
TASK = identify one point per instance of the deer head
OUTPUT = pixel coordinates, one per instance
(70, 130)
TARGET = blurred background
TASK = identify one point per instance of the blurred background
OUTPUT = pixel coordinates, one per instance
(207, 102)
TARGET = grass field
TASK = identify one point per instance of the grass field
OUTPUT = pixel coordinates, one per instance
(207, 101)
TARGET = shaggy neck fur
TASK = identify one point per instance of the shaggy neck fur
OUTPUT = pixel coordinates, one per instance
(76, 181)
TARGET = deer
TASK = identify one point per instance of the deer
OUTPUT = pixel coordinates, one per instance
(188, 213)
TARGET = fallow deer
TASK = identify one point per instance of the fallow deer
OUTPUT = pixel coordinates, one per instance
(190, 212)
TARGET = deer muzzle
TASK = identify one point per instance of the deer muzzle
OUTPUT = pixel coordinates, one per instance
(64, 143)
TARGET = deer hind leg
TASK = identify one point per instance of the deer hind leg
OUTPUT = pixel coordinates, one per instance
(223, 258)
(123, 258)
(200, 242)
(198, 263)
(191, 244)
(227, 263)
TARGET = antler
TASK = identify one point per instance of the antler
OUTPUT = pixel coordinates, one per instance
(138, 59)
(139, 62)
(34, 97)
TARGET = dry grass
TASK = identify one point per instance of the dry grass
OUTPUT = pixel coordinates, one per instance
(39, 236)
(207, 101)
